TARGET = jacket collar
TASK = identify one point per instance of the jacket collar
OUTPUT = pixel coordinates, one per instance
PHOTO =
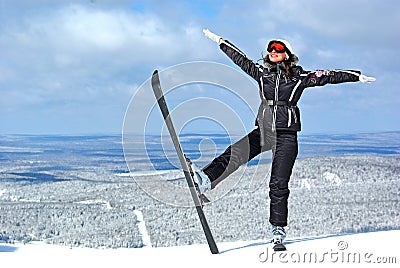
(274, 66)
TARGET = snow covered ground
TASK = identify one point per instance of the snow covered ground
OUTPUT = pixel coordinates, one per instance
(93, 208)
(371, 248)
(78, 200)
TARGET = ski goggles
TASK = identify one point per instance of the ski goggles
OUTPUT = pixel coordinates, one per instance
(277, 46)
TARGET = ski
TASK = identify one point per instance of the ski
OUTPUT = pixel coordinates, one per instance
(156, 85)
(204, 199)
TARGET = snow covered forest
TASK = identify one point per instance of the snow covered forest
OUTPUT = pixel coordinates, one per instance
(81, 201)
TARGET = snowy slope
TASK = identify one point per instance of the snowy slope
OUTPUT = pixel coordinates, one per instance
(331, 250)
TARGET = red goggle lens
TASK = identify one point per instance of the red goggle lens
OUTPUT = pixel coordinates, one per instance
(278, 47)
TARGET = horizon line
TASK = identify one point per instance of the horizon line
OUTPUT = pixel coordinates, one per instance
(189, 133)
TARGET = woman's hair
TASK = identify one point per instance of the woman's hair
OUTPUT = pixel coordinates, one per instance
(288, 69)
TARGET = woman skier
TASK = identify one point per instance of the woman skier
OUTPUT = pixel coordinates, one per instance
(281, 82)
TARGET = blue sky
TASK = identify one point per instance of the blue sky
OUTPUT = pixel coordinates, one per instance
(72, 67)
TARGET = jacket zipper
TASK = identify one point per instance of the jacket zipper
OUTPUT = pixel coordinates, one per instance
(278, 76)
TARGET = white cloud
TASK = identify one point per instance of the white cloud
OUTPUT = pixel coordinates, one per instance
(353, 20)
(74, 49)
(82, 33)
(325, 53)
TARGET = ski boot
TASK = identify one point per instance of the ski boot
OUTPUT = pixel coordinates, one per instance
(278, 235)
(201, 180)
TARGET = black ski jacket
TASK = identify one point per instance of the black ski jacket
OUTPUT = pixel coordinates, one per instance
(279, 92)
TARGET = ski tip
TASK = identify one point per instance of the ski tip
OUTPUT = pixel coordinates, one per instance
(155, 72)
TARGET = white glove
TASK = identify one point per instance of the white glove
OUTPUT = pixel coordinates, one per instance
(364, 78)
(212, 36)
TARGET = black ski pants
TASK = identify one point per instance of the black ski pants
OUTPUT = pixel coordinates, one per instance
(284, 148)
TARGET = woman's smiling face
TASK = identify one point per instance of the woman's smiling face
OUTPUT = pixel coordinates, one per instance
(276, 57)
